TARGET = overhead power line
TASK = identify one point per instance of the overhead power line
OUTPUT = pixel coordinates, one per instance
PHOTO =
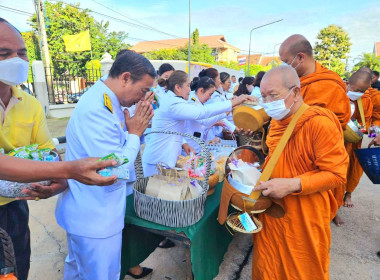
(136, 20)
(111, 17)
(131, 38)
(21, 12)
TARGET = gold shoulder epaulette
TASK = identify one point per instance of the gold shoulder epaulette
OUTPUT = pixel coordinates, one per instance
(107, 102)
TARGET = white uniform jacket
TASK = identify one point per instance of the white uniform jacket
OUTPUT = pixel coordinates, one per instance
(96, 129)
(199, 126)
(228, 121)
(171, 116)
(256, 92)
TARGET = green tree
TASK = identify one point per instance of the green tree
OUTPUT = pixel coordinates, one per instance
(199, 52)
(195, 37)
(231, 65)
(166, 54)
(331, 48)
(63, 19)
(369, 60)
(33, 50)
(32, 45)
(256, 68)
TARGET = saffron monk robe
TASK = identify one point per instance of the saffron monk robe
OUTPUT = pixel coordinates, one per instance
(375, 98)
(313, 163)
(355, 171)
(319, 87)
(357, 85)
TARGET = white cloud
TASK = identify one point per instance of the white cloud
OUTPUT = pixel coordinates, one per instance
(364, 29)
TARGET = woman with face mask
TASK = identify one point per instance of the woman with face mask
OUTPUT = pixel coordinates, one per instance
(204, 88)
(245, 87)
(171, 116)
(256, 85)
(225, 80)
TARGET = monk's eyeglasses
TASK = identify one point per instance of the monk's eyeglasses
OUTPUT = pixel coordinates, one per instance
(275, 97)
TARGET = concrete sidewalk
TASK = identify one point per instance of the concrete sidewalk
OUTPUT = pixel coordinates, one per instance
(353, 249)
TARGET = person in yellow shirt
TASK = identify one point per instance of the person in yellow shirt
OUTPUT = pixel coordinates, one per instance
(22, 122)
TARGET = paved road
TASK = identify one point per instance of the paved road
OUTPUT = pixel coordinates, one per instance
(353, 249)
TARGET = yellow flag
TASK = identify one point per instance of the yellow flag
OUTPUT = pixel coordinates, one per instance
(77, 43)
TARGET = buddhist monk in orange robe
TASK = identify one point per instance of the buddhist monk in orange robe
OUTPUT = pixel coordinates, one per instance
(375, 98)
(355, 171)
(313, 163)
(319, 86)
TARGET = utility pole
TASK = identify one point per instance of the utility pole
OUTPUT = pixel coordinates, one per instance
(189, 50)
(250, 35)
(45, 47)
(274, 48)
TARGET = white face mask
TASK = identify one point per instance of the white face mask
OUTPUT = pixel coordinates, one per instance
(250, 88)
(277, 109)
(285, 64)
(14, 71)
(354, 95)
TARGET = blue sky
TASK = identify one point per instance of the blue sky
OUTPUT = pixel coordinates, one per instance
(234, 19)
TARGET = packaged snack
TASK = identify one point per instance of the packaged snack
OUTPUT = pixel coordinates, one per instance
(14, 189)
(195, 166)
(119, 160)
(121, 171)
(244, 173)
(374, 131)
(155, 102)
(42, 155)
(23, 152)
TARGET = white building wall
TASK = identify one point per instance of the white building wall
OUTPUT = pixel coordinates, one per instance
(182, 65)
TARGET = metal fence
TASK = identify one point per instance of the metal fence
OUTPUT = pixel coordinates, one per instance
(67, 84)
(28, 86)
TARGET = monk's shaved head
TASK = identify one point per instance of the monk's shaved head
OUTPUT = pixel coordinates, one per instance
(297, 44)
(360, 76)
(360, 81)
(285, 75)
(366, 69)
(297, 52)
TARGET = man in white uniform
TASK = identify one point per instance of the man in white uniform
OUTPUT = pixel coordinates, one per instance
(93, 216)
(234, 83)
